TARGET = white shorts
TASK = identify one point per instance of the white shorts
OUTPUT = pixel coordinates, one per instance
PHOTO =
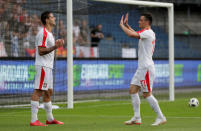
(94, 52)
(82, 51)
(144, 78)
(43, 78)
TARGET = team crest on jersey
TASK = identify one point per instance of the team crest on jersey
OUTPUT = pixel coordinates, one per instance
(44, 85)
(143, 84)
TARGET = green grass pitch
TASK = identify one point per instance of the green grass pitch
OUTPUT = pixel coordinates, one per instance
(107, 116)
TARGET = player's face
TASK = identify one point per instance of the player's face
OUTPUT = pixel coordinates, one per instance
(99, 27)
(142, 22)
(52, 19)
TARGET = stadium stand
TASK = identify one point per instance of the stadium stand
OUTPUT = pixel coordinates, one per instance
(20, 22)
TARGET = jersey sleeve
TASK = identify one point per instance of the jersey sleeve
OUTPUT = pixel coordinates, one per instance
(144, 34)
(42, 39)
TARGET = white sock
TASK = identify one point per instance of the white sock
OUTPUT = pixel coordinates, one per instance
(136, 104)
(34, 110)
(48, 109)
(155, 106)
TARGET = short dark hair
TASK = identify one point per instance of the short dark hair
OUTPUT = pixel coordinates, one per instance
(148, 17)
(44, 16)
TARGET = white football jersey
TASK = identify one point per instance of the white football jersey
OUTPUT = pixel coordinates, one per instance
(146, 47)
(45, 39)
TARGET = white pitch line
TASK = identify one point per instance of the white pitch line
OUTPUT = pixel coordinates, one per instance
(102, 105)
(24, 105)
(82, 101)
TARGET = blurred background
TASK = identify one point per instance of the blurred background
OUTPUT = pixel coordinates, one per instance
(105, 59)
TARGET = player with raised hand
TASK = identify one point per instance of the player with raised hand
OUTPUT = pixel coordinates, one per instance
(144, 76)
(45, 50)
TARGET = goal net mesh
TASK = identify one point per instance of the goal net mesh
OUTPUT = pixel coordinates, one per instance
(102, 69)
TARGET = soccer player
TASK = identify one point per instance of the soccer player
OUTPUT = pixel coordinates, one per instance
(144, 76)
(45, 46)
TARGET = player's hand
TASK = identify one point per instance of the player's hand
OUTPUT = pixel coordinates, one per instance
(101, 35)
(122, 20)
(59, 43)
(126, 19)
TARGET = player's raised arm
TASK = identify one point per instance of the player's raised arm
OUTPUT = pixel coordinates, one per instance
(44, 51)
(126, 22)
(127, 31)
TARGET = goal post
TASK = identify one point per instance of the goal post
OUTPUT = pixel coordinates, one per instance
(170, 8)
(171, 52)
(69, 7)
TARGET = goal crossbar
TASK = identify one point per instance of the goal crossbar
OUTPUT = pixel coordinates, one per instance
(138, 2)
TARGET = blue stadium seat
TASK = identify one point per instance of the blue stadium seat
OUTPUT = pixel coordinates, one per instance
(110, 24)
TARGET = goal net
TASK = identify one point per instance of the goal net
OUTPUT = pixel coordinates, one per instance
(102, 68)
